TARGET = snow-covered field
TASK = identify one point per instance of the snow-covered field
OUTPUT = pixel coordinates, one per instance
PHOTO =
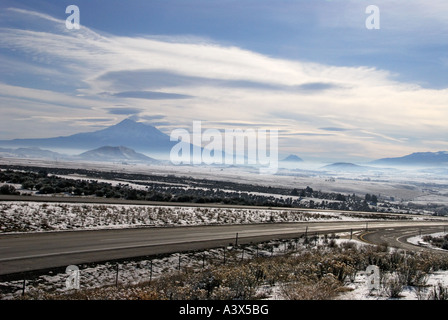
(360, 290)
(23, 216)
(419, 240)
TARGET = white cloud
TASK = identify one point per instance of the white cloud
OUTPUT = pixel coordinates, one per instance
(359, 97)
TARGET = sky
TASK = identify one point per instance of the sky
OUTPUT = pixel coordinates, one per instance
(333, 87)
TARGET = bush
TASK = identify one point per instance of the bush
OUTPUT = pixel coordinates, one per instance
(326, 288)
(8, 190)
(445, 245)
(439, 292)
(46, 189)
(393, 285)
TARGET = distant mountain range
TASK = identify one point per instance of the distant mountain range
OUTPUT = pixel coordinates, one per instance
(417, 159)
(130, 139)
(32, 152)
(138, 136)
(103, 154)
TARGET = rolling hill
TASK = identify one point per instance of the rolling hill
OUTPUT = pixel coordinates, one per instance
(346, 167)
(112, 154)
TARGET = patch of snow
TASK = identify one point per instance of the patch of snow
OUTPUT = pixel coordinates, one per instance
(28, 216)
(419, 241)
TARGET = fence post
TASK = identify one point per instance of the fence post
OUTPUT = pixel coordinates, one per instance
(116, 276)
(236, 240)
(150, 274)
(23, 288)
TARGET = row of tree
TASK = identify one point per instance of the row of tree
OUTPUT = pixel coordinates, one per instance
(159, 188)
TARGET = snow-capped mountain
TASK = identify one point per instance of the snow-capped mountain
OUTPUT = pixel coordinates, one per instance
(141, 137)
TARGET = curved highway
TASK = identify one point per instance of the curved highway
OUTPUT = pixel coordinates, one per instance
(397, 237)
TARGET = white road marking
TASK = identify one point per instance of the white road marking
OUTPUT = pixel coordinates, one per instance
(115, 239)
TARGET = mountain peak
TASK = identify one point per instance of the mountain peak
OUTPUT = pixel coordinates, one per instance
(133, 129)
(293, 158)
(128, 122)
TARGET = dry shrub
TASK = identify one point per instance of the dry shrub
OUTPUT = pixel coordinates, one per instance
(104, 293)
(439, 292)
(223, 282)
(393, 285)
(326, 288)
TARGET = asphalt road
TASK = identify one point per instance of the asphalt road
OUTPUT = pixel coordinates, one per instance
(35, 251)
(397, 237)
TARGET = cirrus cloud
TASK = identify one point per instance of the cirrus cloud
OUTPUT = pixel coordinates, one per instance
(321, 109)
